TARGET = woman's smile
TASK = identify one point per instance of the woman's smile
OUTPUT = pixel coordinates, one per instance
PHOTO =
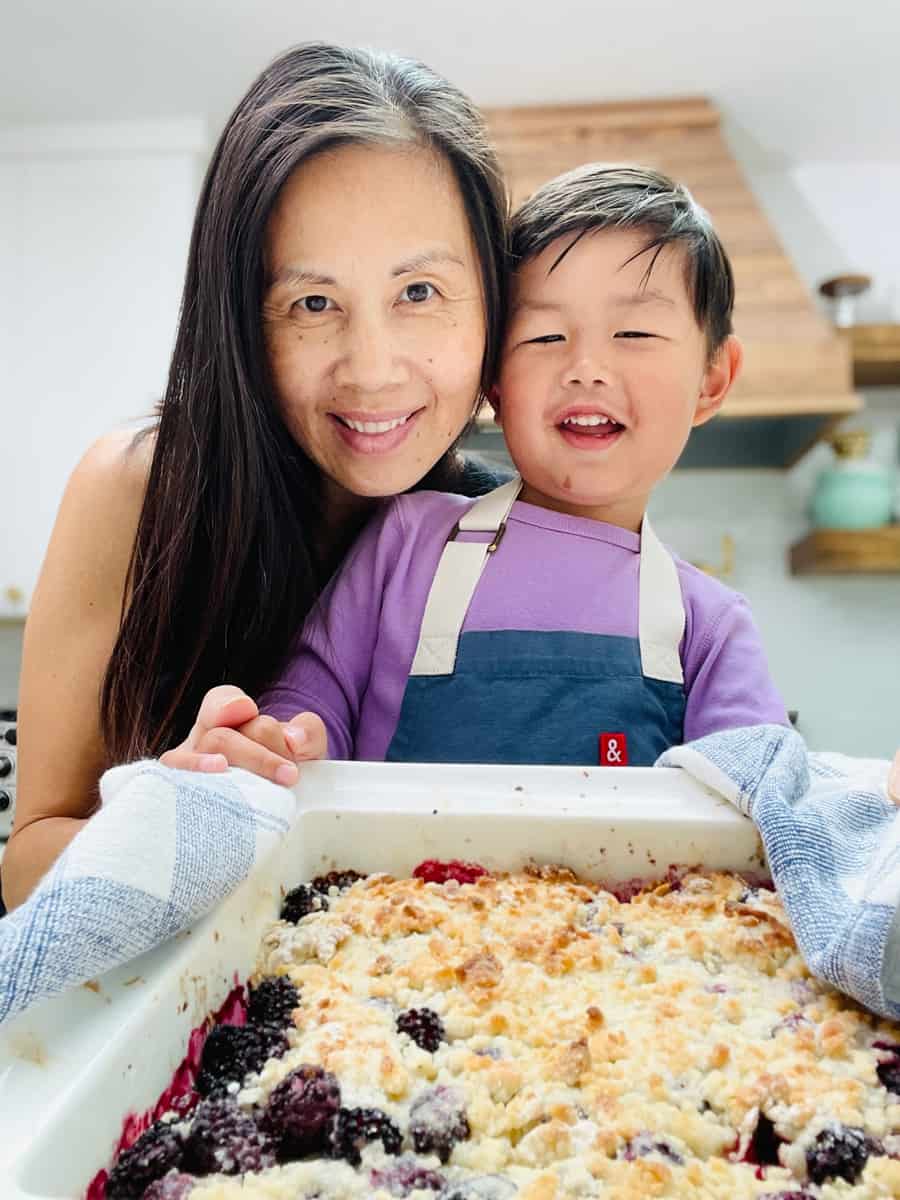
(374, 432)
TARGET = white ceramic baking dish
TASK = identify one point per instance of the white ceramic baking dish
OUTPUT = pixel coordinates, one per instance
(72, 1068)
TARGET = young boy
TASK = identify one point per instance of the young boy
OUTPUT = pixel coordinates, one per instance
(545, 623)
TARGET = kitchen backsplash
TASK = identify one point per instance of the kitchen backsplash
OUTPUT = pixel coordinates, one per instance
(833, 642)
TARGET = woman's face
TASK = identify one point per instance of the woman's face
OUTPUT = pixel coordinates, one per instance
(373, 314)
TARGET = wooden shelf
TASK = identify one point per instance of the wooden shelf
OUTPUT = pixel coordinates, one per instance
(875, 351)
(847, 552)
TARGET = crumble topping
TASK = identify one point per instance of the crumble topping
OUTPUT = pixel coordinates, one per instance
(530, 1035)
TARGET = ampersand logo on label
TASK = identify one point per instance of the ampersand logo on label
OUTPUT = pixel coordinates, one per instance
(613, 750)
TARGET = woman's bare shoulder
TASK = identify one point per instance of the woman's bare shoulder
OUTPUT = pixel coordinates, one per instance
(103, 498)
(72, 625)
(118, 460)
(90, 547)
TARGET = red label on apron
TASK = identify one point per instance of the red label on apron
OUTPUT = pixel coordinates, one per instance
(613, 750)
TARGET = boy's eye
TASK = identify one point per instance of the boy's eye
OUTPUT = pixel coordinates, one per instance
(545, 339)
(634, 333)
(416, 293)
(313, 304)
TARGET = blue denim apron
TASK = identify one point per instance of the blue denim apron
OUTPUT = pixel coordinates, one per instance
(517, 696)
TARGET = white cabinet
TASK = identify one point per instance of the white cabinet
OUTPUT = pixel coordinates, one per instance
(94, 228)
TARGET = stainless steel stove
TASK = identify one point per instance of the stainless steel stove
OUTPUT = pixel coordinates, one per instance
(7, 770)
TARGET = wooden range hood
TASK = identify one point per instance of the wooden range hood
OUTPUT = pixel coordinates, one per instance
(797, 378)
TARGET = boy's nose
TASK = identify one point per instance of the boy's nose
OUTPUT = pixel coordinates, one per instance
(587, 371)
(588, 366)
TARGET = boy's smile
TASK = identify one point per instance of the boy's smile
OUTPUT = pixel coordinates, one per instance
(589, 428)
(604, 373)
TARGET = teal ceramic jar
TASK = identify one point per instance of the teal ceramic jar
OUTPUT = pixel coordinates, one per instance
(853, 493)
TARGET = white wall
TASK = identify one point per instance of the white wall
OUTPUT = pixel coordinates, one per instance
(858, 204)
(94, 227)
(832, 218)
(833, 642)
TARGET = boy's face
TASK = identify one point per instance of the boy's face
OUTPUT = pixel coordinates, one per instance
(604, 373)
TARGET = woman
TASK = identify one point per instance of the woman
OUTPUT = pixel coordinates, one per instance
(340, 321)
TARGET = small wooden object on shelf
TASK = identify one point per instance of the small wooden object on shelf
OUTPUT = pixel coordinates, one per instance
(875, 351)
(841, 292)
(847, 552)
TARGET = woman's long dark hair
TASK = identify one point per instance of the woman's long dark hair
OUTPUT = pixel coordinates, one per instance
(225, 565)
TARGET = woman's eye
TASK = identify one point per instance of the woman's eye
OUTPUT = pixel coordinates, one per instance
(634, 333)
(417, 292)
(312, 304)
(546, 338)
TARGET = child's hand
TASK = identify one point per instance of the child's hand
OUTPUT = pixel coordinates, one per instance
(230, 732)
(894, 780)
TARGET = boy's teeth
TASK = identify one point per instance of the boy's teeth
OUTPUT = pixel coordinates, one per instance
(374, 426)
(594, 419)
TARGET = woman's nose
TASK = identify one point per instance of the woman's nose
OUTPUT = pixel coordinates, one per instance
(369, 361)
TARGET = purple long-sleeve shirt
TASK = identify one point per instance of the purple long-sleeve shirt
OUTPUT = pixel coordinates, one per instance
(553, 572)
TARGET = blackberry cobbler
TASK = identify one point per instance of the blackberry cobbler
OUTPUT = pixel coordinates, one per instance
(466, 1036)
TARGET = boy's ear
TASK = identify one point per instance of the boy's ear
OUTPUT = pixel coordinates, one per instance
(494, 399)
(721, 372)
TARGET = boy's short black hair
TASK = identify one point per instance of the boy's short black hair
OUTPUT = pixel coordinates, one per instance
(599, 196)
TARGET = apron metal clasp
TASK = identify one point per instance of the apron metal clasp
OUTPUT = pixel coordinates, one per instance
(498, 538)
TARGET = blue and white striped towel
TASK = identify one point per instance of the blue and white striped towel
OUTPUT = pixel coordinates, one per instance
(165, 848)
(168, 846)
(832, 838)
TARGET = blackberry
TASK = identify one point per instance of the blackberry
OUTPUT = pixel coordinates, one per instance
(424, 1026)
(232, 1051)
(644, 1144)
(888, 1069)
(224, 1140)
(763, 1148)
(301, 1111)
(154, 1153)
(182, 1106)
(432, 870)
(791, 1022)
(336, 879)
(840, 1152)
(480, 1187)
(786, 1196)
(174, 1186)
(272, 1001)
(300, 902)
(404, 1176)
(354, 1128)
(437, 1121)
(889, 1075)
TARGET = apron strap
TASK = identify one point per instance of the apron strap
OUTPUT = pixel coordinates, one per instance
(660, 610)
(488, 514)
(456, 579)
(660, 613)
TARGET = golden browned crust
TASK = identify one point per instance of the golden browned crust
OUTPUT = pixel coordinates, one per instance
(610, 1049)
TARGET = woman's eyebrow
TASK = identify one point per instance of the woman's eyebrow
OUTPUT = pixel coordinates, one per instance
(300, 275)
(434, 256)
